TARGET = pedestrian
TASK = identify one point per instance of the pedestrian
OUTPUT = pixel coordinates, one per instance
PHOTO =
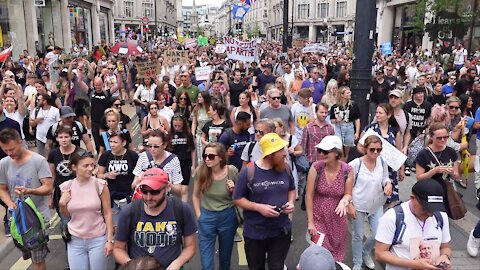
(275, 109)
(473, 244)
(145, 93)
(253, 151)
(267, 228)
(328, 195)
(245, 105)
(235, 138)
(213, 205)
(213, 129)
(370, 188)
(315, 84)
(24, 172)
(315, 131)
(154, 121)
(199, 119)
(125, 120)
(166, 218)
(86, 200)
(112, 116)
(423, 220)
(318, 257)
(42, 118)
(302, 112)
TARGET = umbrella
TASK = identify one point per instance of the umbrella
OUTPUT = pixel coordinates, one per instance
(125, 48)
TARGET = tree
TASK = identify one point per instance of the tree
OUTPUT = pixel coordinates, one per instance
(256, 30)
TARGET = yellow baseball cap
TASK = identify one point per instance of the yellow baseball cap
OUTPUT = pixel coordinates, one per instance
(271, 143)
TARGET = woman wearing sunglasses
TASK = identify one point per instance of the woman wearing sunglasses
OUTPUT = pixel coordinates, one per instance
(246, 105)
(328, 195)
(438, 161)
(371, 185)
(86, 200)
(386, 127)
(125, 120)
(183, 105)
(213, 205)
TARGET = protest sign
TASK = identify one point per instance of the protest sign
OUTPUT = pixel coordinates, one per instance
(178, 57)
(220, 48)
(190, 43)
(239, 50)
(147, 69)
(392, 156)
(315, 48)
(386, 48)
(202, 73)
(202, 41)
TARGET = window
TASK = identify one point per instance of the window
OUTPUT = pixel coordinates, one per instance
(147, 8)
(128, 8)
(303, 11)
(341, 9)
(322, 10)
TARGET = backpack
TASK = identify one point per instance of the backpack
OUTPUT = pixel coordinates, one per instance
(360, 165)
(105, 139)
(27, 226)
(251, 174)
(250, 150)
(78, 124)
(400, 225)
(137, 208)
(151, 161)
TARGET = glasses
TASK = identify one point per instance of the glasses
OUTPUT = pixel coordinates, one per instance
(117, 104)
(316, 72)
(153, 146)
(324, 152)
(182, 98)
(454, 107)
(275, 98)
(429, 78)
(209, 156)
(110, 68)
(261, 132)
(151, 191)
(375, 150)
(442, 138)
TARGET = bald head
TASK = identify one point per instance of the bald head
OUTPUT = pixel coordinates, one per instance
(98, 84)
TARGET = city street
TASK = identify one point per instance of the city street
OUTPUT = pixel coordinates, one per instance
(459, 231)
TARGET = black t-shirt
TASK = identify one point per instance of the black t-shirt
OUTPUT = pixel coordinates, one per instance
(20, 75)
(8, 123)
(437, 99)
(235, 91)
(393, 81)
(124, 121)
(127, 135)
(347, 114)
(78, 131)
(475, 100)
(263, 80)
(180, 146)
(380, 92)
(99, 103)
(213, 131)
(462, 86)
(420, 114)
(427, 161)
(123, 164)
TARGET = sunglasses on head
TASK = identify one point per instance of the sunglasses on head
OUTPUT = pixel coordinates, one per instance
(375, 150)
(151, 191)
(209, 156)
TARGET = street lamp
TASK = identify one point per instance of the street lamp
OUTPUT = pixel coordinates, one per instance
(285, 26)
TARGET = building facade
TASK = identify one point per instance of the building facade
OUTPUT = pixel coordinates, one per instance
(148, 17)
(64, 23)
(199, 20)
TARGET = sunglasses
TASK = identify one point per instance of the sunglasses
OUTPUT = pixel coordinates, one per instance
(261, 132)
(182, 98)
(275, 98)
(454, 107)
(110, 68)
(442, 138)
(209, 156)
(151, 191)
(375, 150)
(117, 104)
(153, 146)
(324, 152)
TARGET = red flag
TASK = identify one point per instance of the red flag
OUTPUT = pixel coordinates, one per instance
(5, 54)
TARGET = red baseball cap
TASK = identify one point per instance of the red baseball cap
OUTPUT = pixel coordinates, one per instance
(154, 178)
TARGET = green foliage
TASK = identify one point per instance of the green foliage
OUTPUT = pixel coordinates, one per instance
(434, 7)
(256, 30)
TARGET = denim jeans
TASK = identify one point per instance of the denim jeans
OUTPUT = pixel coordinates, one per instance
(276, 249)
(360, 248)
(210, 225)
(476, 230)
(84, 254)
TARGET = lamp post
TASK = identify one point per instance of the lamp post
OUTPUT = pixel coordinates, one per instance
(285, 26)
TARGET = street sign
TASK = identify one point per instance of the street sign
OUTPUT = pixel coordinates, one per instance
(145, 21)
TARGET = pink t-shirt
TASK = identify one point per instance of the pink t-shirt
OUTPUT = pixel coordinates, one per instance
(85, 208)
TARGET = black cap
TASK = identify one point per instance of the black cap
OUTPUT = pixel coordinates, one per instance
(430, 194)
(267, 66)
(418, 90)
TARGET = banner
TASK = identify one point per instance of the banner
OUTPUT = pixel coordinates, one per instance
(202, 73)
(220, 48)
(190, 43)
(238, 12)
(239, 50)
(178, 57)
(316, 48)
(386, 48)
(202, 41)
(147, 69)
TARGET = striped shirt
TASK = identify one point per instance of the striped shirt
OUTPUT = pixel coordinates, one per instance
(172, 168)
(312, 135)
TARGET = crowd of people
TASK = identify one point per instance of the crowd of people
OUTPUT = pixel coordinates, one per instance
(257, 140)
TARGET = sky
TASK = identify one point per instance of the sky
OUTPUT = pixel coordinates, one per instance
(202, 2)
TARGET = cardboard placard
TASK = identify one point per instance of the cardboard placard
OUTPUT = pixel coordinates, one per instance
(202, 73)
(392, 156)
(147, 69)
(178, 57)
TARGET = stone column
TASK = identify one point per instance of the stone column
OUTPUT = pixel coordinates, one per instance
(312, 35)
(66, 28)
(95, 24)
(30, 26)
(385, 28)
(111, 27)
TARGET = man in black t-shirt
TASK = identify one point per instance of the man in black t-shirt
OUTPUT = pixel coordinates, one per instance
(264, 78)
(420, 109)
(237, 86)
(465, 84)
(379, 91)
(392, 79)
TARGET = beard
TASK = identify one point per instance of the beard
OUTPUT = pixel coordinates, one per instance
(279, 164)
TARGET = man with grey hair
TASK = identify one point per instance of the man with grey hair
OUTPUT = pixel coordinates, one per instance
(277, 110)
(252, 151)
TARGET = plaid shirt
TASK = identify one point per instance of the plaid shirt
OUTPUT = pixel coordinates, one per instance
(311, 136)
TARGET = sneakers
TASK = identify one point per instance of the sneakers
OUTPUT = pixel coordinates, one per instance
(237, 237)
(473, 245)
(413, 169)
(407, 171)
(367, 260)
(357, 267)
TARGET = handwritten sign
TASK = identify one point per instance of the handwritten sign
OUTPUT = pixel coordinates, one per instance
(178, 57)
(239, 50)
(386, 48)
(390, 153)
(220, 48)
(202, 73)
(190, 43)
(147, 69)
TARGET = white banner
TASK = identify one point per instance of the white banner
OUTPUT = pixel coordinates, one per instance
(316, 48)
(390, 153)
(220, 48)
(202, 73)
(239, 50)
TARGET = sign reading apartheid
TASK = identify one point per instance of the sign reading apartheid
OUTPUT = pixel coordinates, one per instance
(239, 50)
(178, 57)
(148, 69)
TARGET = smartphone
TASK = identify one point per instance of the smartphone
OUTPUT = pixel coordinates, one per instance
(279, 209)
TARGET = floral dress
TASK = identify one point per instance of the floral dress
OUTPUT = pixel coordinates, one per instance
(325, 199)
(392, 175)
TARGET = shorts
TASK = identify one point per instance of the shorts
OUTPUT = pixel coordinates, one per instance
(82, 107)
(346, 132)
(37, 255)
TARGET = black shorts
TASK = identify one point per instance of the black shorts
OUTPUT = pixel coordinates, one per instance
(82, 107)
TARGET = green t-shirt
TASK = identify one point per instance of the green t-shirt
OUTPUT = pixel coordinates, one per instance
(192, 92)
(218, 198)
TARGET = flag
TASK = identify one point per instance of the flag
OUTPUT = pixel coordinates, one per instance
(248, 2)
(238, 12)
(5, 54)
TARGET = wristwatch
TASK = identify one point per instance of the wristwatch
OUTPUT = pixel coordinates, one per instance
(111, 241)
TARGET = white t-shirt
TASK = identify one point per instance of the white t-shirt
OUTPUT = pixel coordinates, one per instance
(51, 56)
(50, 117)
(301, 118)
(289, 78)
(30, 90)
(172, 168)
(166, 112)
(459, 56)
(17, 117)
(413, 231)
(255, 155)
